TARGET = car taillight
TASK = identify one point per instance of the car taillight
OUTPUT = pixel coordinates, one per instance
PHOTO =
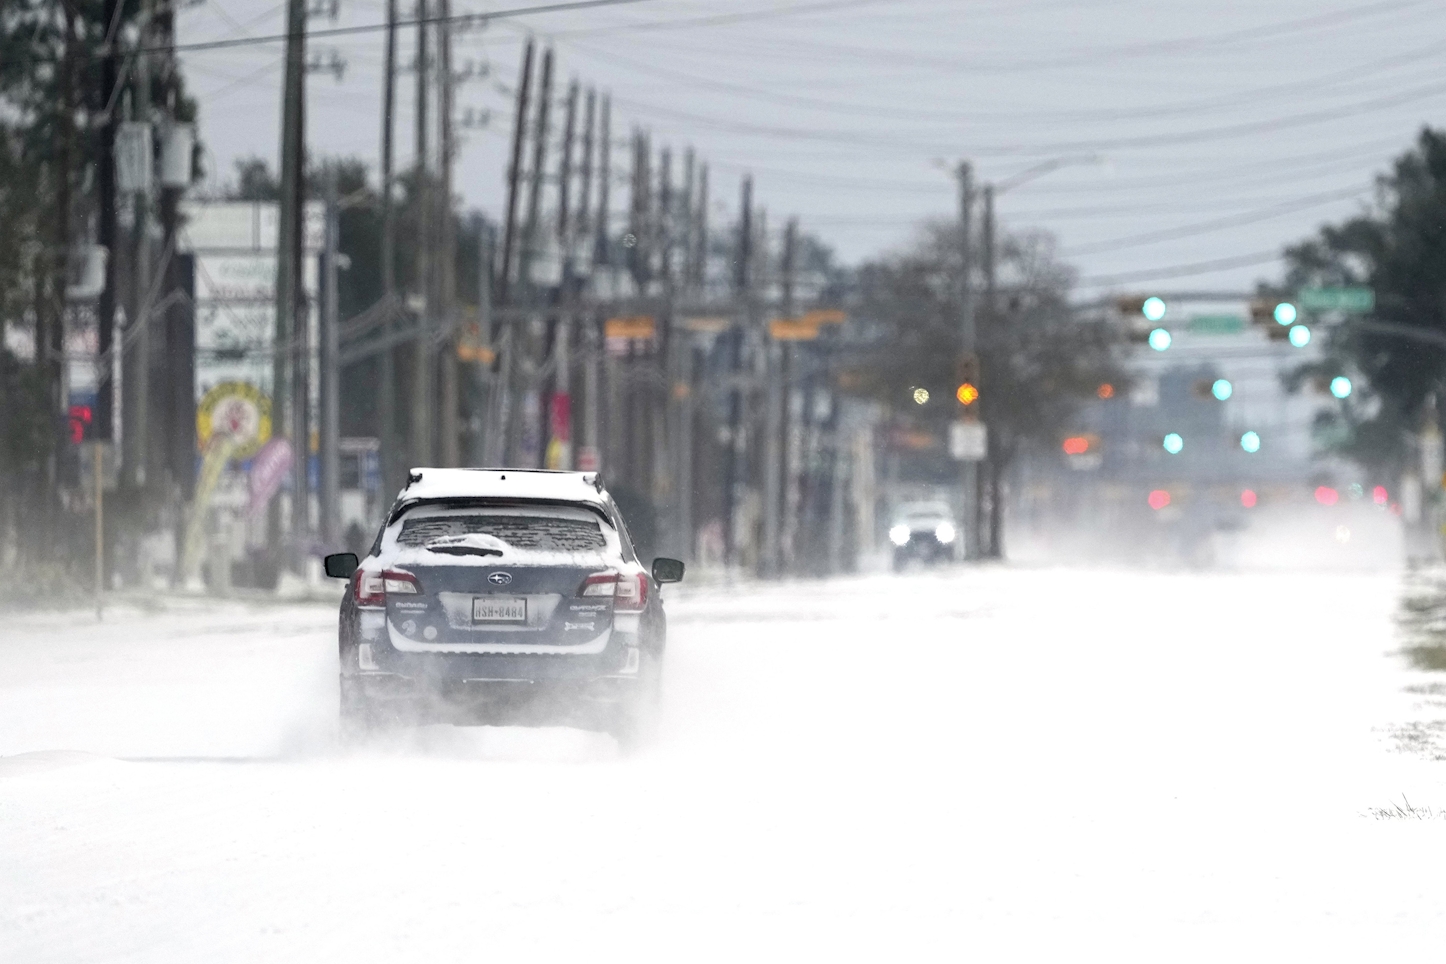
(632, 593)
(403, 583)
(600, 584)
(368, 590)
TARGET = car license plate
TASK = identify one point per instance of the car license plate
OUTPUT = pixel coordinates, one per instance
(499, 609)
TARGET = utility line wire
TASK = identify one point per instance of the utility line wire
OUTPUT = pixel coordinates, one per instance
(1217, 224)
(377, 27)
(857, 137)
(1181, 270)
(793, 47)
(1347, 75)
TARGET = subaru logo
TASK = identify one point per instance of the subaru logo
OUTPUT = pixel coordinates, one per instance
(500, 578)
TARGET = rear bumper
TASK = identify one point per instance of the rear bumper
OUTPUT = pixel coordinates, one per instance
(587, 703)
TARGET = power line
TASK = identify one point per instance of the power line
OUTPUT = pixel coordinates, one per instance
(794, 46)
(716, 20)
(1182, 270)
(1350, 74)
(1198, 135)
(377, 27)
(1218, 224)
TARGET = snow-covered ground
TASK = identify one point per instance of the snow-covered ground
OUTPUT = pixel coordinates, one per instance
(995, 764)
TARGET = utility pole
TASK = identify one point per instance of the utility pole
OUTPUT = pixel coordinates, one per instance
(592, 374)
(514, 174)
(989, 522)
(387, 407)
(330, 417)
(539, 159)
(447, 453)
(733, 475)
(136, 357)
(969, 470)
(484, 389)
(559, 449)
(106, 224)
(531, 430)
(288, 271)
(584, 197)
(776, 441)
(423, 388)
(700, 263)
(788, 455)
(497, 439)
(681, 369)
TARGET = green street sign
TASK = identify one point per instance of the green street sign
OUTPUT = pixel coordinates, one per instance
(1216, 324)
(1356, 301)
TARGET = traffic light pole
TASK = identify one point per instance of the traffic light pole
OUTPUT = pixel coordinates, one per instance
(968, 470)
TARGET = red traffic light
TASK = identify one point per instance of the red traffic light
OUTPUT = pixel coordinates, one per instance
(1076, 445)
(1159, 499)
(79, 419)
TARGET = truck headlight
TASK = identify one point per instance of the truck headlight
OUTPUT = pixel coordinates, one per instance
(944, 532)
(899, 534)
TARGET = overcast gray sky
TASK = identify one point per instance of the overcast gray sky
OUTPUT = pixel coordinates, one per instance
(1223, 130)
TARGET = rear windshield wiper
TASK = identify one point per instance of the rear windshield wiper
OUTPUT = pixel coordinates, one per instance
(465, 550)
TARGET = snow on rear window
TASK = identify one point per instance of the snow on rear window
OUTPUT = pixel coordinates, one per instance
(543, 533)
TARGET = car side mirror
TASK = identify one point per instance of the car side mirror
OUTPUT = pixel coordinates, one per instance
(667, 570)
(341, 565)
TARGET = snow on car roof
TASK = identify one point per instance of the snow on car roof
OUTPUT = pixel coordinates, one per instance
(430, 483)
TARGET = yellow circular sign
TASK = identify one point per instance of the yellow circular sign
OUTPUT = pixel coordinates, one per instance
(238, 409)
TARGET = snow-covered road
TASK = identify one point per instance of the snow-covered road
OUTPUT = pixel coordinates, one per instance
(999, 764)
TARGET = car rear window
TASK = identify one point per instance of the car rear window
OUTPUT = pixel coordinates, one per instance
(544, 533)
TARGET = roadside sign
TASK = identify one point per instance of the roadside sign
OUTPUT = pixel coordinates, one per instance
(481, 354)
(710, 326)
(1354, 300)
(1216, 324)
(633, 326)
(824, 316)
(793, 329)
(968, 441)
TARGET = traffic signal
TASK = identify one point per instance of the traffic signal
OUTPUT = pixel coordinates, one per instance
(1267, 312)
(1174, 443)
(1140, 313)
(1250, 442)
(966, 373)
(1219, 389)
(1080, 444)
(1299, 335)
(1341, 386)
(80, 423)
